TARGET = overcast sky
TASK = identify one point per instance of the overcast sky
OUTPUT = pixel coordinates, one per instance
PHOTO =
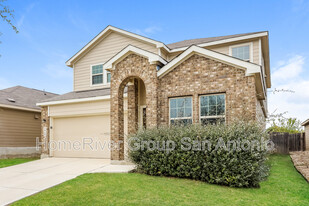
(52, 31)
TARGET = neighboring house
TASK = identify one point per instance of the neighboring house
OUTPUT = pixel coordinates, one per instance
(20, 120)
(306, 125)
(193, 81)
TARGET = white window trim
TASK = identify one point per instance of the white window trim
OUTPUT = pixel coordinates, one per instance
(214, 116)
(105, 83)
(250, 44)
(178, 118)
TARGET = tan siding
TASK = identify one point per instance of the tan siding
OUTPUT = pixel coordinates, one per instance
(224, 49)
(84, 108)
(164, 54)
(173, 55)
(19, 128)
(81, 109)
(104, 50)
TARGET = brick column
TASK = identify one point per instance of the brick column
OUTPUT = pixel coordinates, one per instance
(45, 126)
(132, 106)
(151, 84)
(117, 122)
(131, 67)
(195, 106)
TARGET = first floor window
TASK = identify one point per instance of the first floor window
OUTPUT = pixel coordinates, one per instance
(212, 109)
(97, 74)
(181, 110)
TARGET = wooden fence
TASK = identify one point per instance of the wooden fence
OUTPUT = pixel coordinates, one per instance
(285, 142)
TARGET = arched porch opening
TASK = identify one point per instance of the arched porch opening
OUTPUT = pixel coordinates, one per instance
(133, 80)
(131, 110)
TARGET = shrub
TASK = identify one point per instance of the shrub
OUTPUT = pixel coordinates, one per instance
(211, 158)
(289, 125)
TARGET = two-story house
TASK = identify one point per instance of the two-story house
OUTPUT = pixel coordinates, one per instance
(124, 81)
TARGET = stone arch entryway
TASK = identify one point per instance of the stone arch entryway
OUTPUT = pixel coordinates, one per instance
(130, 72)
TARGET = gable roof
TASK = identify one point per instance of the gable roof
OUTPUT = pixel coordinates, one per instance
(250, 68)
(24, 98)
(106, 31)
(132, 49)
(183, 45)
(305, 123)
(173, 47)
(77, 95)
(190, 42)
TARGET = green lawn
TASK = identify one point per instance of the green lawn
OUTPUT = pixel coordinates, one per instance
(285, 186)
(15, 161)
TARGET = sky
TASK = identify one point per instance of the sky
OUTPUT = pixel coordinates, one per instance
(50, 32)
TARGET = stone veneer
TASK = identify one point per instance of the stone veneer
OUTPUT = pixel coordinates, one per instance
(195, 76)
(260, 117)
(199, 75)
(128, 70)
(45, 132)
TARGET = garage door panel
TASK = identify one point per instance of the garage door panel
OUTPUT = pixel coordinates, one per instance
(87, 136)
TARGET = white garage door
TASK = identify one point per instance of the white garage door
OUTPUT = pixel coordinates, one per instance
(86, 136)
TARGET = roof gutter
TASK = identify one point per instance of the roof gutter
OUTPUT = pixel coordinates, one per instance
(80, 100)
(223, 41)
(68, 101)
(20, 108)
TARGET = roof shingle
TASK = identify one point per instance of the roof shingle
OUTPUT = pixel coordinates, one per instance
(80, 95)
(24, 97)
(191, 42)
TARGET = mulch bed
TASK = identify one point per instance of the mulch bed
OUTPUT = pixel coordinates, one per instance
(301, 162)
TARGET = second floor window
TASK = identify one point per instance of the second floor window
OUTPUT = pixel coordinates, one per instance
(181, 110)
(108, 77)
(97, 74)
(241, 52)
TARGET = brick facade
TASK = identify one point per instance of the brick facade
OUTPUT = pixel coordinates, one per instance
(195, 76)
(45, 127)
(199, 75)
(260, 117)
(132, 106)
(128, 70)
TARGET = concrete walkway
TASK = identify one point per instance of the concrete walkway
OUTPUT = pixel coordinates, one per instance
(19, 181)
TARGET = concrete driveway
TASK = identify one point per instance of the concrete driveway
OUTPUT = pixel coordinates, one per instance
(19, 181)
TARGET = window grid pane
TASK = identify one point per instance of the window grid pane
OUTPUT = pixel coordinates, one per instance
(98, 69)
(181, 110)
(212, 109)
(108, 77)
(242, 52)
(97, 79)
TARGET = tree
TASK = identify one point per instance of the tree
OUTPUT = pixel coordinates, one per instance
(7, 15)
(279, 123)
(282, 124)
